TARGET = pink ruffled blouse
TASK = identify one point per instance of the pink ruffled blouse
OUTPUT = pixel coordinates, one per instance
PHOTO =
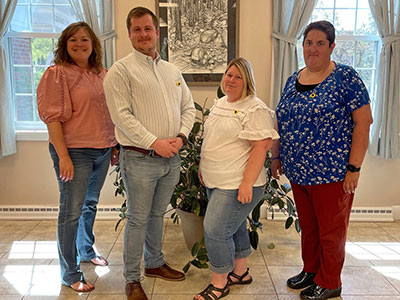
(75, 97)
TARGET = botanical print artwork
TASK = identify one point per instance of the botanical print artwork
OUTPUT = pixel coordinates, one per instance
(198, 35)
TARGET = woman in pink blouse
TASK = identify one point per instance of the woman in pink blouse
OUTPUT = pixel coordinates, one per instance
(71, 102)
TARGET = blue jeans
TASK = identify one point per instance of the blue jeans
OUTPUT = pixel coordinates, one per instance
(225, 227)
(149, 182)
(78, 207)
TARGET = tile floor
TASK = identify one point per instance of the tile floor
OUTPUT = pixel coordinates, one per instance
(29, 266)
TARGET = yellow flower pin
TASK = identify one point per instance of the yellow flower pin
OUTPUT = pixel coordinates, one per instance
(236, 112)
(313, 95)
(178, 83)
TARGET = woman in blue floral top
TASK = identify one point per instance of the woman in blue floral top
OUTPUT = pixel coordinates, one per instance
(323, 119)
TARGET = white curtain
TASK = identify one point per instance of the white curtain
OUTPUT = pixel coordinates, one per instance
(88, 11)
(289, 19)
(7, 127)
(385, 129)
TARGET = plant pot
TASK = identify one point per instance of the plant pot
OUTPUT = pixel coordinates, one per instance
(192, 227)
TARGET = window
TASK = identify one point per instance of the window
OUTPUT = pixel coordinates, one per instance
(33, 32)
(357, 40)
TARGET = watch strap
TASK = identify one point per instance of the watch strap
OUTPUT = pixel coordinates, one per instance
(353, 168)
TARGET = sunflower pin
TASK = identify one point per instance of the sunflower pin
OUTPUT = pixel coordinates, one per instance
(178, 83)
(235, 111)
(313, 95)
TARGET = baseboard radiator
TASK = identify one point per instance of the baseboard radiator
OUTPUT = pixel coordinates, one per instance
(366, 214)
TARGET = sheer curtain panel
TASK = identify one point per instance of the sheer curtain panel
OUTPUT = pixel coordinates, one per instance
(385, 129)
(7, 126)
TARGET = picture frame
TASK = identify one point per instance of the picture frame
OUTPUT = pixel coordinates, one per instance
(199, 37)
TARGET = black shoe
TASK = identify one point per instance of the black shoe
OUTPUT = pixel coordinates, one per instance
(301, 281)
(316, 292)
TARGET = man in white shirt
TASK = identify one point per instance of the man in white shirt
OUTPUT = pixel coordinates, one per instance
(153, 112)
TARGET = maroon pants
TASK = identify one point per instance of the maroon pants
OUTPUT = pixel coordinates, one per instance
(323, 212)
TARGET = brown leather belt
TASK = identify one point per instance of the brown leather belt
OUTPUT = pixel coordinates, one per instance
(141, 150)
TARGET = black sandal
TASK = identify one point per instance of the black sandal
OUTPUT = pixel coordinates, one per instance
(208, 294)
(239, 278)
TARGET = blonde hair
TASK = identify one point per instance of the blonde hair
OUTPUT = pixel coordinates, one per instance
(245, 69)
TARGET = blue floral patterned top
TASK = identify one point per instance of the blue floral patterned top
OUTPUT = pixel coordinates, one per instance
(316, 126)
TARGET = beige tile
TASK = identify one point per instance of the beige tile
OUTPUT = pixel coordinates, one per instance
(176, 253)
(288, 254)
(107, 297)
(113, 282)
(105, 231)
(44, 231)
(11, 297)
(75, 296)
(394, 232)
(11, 231)
(256, 258)
(363, 224)
(277, 234)
(365, 234)
(196, 280)
(173, 233)
(279, 276)
(365, 281)
(389, 224)
(365, 297)
(115, 256)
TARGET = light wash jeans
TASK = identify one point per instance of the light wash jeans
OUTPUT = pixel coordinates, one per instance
(150, 182)
(78, 207)
(225, 229)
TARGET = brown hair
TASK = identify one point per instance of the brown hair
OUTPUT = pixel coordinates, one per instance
(139, 12)
(61, 55)
(324, 26)
(245, 69)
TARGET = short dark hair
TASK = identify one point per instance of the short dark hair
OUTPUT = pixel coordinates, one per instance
(324, 26)
(61, 54)
(139, 12)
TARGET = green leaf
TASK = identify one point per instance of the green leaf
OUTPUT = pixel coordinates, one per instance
(253, 235)
(198, 106)
(116, 225)
(203, 266)
(289, 222)
(186, 267)
(271, 246)
(196, 263)
(297, 225)
(195, 249)
(290, 207)
(275, 184)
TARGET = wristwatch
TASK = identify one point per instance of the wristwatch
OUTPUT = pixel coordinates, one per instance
(183, 138)
(353, 168)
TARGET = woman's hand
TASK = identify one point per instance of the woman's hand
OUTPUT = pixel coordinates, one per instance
(245, 193)
(276, 168)
(114, 156)
(66, 168)
(350, 182)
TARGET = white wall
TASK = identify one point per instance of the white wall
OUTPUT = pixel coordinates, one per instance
(27, 178)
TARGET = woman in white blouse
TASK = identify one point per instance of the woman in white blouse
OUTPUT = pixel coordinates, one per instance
(238, 133)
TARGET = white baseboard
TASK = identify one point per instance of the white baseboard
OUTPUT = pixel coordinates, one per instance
(362, 214)
(24, 212)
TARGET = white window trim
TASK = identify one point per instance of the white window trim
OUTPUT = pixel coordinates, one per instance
(32, 135)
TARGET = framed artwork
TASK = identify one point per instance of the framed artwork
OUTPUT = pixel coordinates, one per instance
(199, 37)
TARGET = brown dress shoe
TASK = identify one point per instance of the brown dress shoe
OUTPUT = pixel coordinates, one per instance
(134, 291)
(165, 272)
